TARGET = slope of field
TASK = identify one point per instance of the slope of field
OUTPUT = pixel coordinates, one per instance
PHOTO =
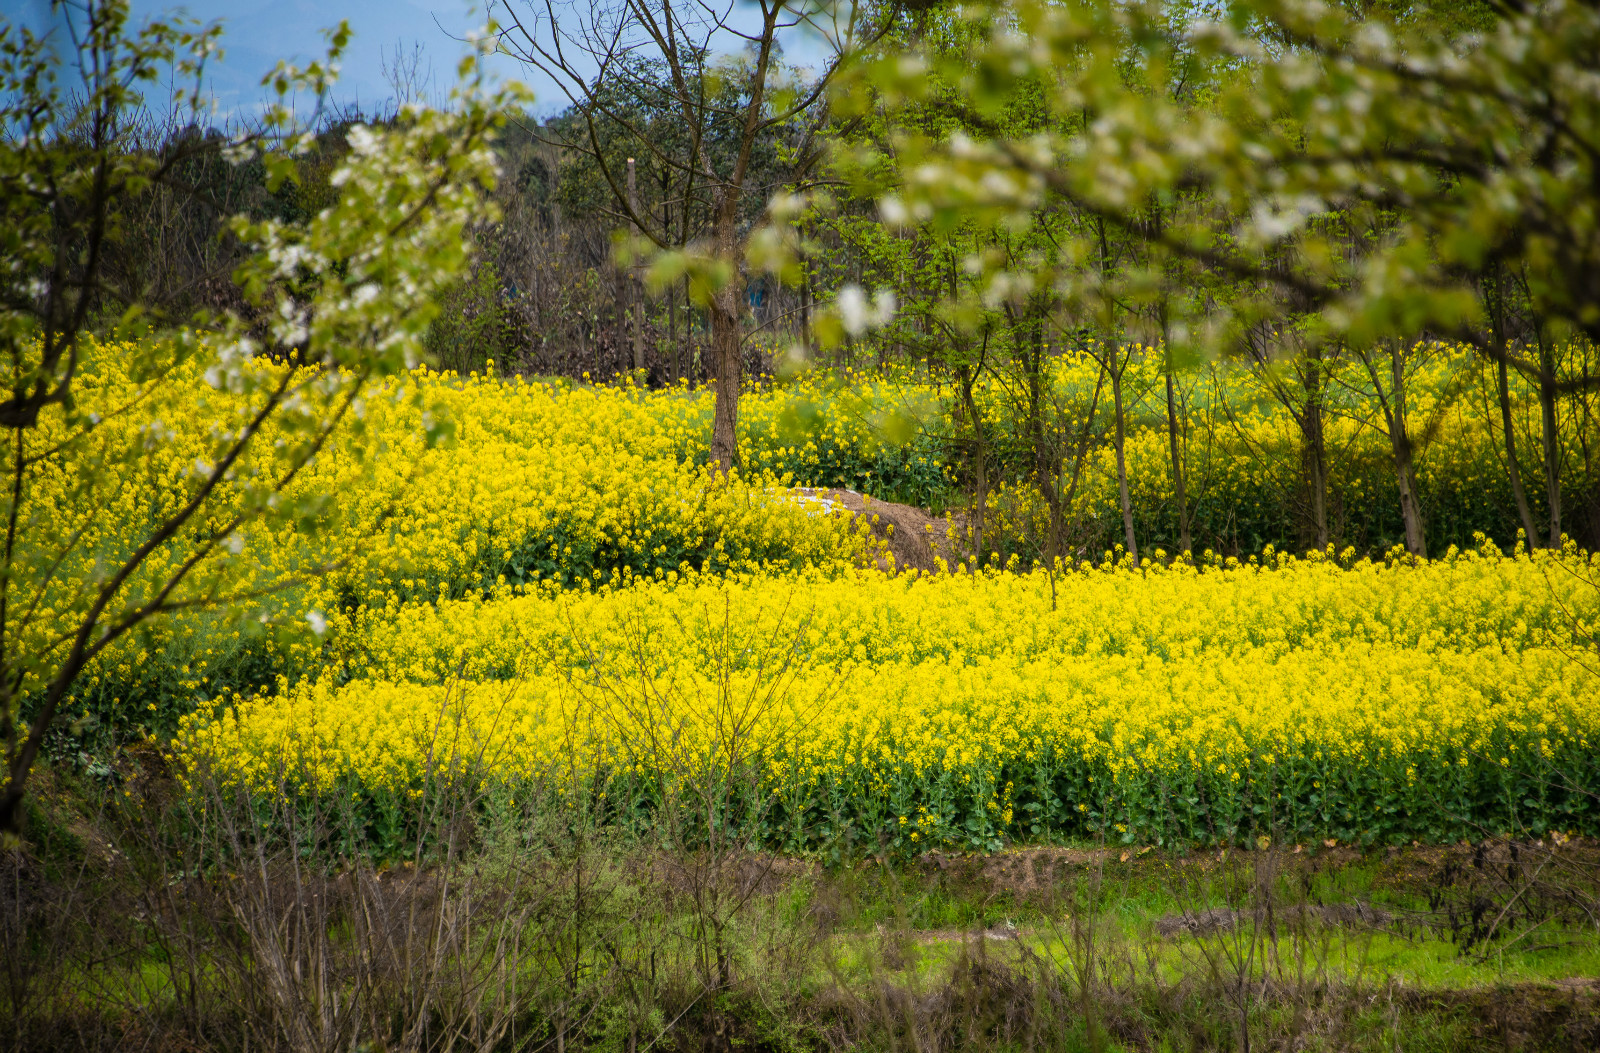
(1286, 698)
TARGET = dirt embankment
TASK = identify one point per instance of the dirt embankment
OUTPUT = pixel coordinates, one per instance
(916, 538)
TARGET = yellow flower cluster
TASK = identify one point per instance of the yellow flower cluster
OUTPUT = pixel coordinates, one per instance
(138, 445)
(1292, 696)
(531, 483)
(563, 483)
(1244, 453)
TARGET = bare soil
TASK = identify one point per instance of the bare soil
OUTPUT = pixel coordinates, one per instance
(916, 538)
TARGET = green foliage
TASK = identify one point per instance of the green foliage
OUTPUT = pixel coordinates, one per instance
(1434, 153)
(475, 324)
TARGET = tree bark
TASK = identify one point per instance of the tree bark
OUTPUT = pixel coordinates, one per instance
(1174, 447)
(1306, 408)
(1033, 362)
(1059, 503)
(1117, 366)
(635, 287)
(1405, 458)
(1314, 439)
(966, 377)
(1494, 297)
(1552, 447)
(727, 377)
(1393, 405)
(1410, 507)
(1512, 469)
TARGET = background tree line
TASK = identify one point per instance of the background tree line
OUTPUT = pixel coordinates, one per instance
(1199, 292)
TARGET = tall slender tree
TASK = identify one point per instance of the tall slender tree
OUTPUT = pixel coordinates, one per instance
(712, 80)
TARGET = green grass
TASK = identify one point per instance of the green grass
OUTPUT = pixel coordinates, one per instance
(981, 952)
(1129, 904)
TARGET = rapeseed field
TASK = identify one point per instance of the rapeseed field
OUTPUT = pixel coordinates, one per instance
(1375, 702)
(536, 583)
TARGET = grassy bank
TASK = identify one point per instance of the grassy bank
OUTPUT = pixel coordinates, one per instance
(143, 922)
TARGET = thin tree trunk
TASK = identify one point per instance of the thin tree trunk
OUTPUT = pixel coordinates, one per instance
(1503, 385)
(1393, 405)
(1314, 435)
(675, 363)
(672, 358)
(1035, 366)
(1307, 411)
(1494, 292)
(966, 377)
(1045, 460)
(1317, 471)
(1584, 431)
(1552, 449)
(635, 287)
(686, 353)
(1119, 416)
(805, 292)
(1059, 503)
(1405, 459)
(1117, 367)
(1174, 448)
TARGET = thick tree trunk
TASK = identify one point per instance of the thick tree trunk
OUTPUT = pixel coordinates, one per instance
(727, 359)
(1316, 456)
(1410, 506)
(1317, 477)
(1121, 430)
(727, 377)
(11, 807)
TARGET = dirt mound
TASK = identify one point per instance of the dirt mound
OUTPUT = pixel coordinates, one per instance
(915, 538)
